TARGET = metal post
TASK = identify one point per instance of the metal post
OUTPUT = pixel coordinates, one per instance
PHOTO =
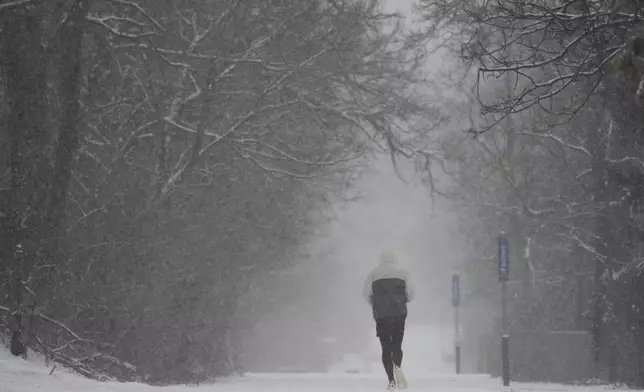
(456, 301)
(504, 276)
(457, 342)
(505, 337)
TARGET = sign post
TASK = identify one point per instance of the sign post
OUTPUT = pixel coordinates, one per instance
(504, 276)
(456, 301)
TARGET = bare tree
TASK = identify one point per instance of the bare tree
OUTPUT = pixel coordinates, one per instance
(189, 148)
(549, 48)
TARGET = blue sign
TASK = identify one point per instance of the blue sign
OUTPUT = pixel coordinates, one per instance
(456, 290)
(504, 262)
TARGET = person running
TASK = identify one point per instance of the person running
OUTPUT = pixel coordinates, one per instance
(388, 290)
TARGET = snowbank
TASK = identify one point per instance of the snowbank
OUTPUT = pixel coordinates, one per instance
(19, 375)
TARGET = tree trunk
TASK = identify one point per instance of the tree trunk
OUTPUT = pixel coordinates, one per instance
(600, 191)
(24, 66)
(69, 72)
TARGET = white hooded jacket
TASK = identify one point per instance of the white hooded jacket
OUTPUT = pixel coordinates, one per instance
(388, 288)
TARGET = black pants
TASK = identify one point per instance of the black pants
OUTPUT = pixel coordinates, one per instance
(391, 331)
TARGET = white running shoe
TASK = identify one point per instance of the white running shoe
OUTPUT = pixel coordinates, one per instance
(401, 381)
(391, 386)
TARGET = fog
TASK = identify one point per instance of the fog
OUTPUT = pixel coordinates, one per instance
(326, 325)
(323, 316)
(171, 209)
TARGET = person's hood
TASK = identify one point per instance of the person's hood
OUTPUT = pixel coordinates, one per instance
(388, 257)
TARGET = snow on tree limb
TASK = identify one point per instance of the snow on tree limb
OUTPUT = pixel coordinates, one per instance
(550, 48)
(193, 32)
(16, 3)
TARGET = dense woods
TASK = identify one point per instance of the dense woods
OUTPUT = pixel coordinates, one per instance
(162, 160)
(553, 105)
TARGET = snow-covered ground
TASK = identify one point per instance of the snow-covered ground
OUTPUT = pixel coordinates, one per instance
(18, 375)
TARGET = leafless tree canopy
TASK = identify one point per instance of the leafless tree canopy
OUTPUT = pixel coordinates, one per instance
(547, 48)
(164, 162)
(554, 103)
(164, 158)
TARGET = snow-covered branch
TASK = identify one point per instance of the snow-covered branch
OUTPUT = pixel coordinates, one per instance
(559, 140)
(547, 49)
(16, 3)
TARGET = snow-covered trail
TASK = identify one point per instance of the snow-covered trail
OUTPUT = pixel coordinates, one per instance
(18, 375)
(422, 350)
(371, 383)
